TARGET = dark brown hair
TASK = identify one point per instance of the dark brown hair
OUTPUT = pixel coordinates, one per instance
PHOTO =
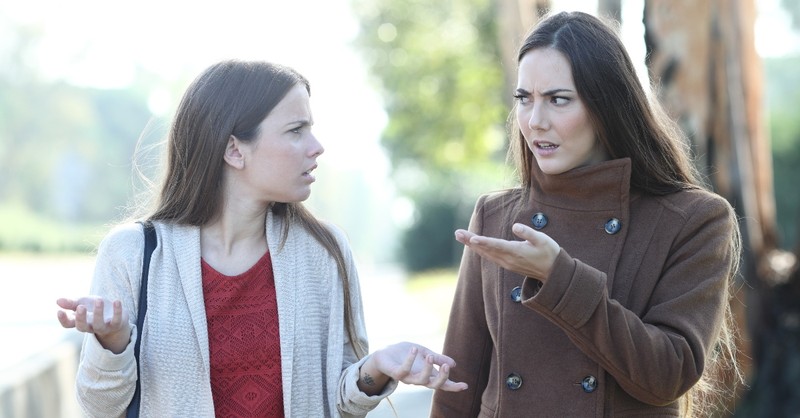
(232, 98)
(624, 120)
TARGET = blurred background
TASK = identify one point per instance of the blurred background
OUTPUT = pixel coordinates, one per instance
(410, 100)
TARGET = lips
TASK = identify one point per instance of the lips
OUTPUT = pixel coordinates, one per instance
(308, 172)
(544, 145)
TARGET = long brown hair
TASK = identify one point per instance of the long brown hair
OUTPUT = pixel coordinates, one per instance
(625, 121)
(232, 98)
(630, 125)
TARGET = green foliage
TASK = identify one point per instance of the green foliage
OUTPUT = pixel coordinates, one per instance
(25, 231)
(65, 154)
(65, 150)
(429, 243)
(783, 94)
(793, 8)
(438, 67)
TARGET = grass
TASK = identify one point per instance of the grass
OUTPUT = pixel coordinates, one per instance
(25, 232)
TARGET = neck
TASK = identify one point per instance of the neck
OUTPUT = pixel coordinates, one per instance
(237, 235)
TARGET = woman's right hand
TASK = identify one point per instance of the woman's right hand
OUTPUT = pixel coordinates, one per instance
(107, 320)
(533, 256)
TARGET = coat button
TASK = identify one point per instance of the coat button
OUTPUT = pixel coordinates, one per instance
(539, 220)
(514, 381)
(589, 384)
(612, 226)
(516, 294)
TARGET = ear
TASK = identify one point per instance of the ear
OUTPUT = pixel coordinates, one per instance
(233, 153)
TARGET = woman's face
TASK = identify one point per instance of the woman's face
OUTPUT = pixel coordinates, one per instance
(279, 161)
(551, 116)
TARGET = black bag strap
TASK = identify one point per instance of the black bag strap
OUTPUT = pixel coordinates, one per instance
(150, 241)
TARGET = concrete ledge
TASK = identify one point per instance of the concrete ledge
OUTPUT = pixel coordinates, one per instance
(43, 385)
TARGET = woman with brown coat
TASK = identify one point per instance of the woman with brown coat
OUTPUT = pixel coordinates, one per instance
(599, 287)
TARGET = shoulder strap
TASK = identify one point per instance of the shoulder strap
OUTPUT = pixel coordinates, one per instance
(150, 241)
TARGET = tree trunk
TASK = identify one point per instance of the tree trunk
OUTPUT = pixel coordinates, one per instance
(515, 19)
(702, 57)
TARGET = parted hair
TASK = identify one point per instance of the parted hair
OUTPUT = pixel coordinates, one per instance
(231, 98)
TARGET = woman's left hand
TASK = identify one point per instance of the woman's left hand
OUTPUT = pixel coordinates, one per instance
(534, 256)
(409, 363)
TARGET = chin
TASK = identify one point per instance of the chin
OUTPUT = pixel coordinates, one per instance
(303, 196)
(552, 169)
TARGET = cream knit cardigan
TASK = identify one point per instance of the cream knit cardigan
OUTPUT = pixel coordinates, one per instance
(319, 367)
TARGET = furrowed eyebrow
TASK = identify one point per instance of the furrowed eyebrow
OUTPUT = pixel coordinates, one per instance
(300, 123)
(550, 92)
(555, 91)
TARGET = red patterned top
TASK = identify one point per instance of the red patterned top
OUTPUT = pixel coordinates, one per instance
(243, 341)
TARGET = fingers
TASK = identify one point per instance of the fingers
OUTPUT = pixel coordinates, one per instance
(116, 319)
(522, 231)
(451, 386)
(416, 377)
(463, 236)
(536, 238)
(98, 320)
(405, 368)
(67, 303)
(80, 319)
(63, 317)
(65, 320)
(439, 359)
(440, 378)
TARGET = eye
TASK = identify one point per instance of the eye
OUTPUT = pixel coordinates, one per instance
(559, 100)
(297, 130)
(522, 98)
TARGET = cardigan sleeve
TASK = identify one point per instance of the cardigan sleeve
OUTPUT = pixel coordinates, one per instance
(105, 381)
(660, 354)
(351, 401)
(467, 339)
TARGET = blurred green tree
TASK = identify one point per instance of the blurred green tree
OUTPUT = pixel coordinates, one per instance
(438, 68)
(783, 94)
(64, 150)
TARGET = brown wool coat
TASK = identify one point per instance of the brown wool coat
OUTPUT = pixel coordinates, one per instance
(622, 327)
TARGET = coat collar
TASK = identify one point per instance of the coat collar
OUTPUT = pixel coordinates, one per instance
(606, 185)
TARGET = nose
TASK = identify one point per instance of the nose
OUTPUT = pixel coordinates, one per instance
(537, 119)
(316, 147)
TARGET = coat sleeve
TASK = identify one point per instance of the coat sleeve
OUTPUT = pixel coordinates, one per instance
(659, 355)
(351, 401)
(467, 339)
(105, 381)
